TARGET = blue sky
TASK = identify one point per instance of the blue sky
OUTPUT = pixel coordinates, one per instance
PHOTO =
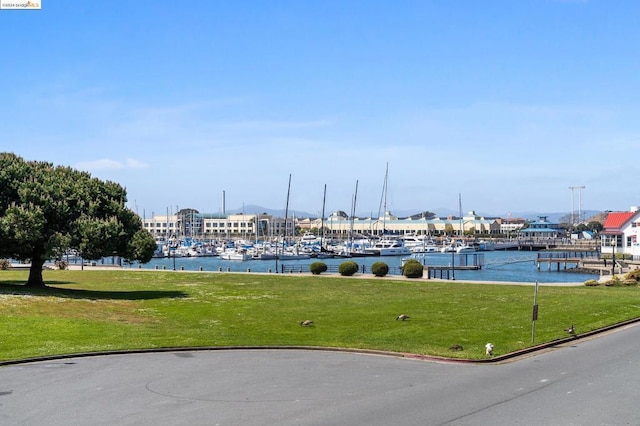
(508, 103)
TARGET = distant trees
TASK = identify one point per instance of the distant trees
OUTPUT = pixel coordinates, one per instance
(448, 229)
(427, 215)
(45, 210)
(592, 226)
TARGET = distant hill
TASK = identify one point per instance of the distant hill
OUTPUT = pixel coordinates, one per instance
(440, 212)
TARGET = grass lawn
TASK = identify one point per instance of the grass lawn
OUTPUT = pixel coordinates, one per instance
(85, 311)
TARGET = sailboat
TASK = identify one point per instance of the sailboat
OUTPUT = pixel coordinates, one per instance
(387, 245)
(459, 246)
(287, 252)
(323, 254)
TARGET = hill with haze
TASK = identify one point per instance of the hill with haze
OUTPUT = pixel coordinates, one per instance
(439, 212)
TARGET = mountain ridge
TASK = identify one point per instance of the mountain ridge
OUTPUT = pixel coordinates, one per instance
(439, 212)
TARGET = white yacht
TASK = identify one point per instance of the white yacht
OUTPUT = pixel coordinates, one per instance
(388, 247)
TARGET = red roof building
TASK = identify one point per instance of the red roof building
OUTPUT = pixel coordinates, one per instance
(620, 233)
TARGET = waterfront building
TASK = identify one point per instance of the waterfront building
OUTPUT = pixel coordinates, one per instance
(620, 233)
(340, 226)
(511, 225)
(542, 229)
(189, 223)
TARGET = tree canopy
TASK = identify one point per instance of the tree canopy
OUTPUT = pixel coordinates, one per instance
(46, 210)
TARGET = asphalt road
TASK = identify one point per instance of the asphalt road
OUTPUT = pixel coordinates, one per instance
(593, 382)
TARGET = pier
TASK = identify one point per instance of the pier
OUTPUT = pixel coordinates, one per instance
(564, 258)
(448, 272)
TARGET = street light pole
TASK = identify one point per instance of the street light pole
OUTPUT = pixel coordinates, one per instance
(453, 264)
(613, 255)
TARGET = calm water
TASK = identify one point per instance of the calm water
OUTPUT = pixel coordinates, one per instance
(498, 266)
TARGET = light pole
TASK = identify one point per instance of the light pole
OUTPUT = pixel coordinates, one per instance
(453, 264)
(613, 255)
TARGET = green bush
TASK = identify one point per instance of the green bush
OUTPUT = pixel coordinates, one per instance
(413, 269)
(592, 283)
(348, 268)
(316, 268)
(4, 264)
(379, 269)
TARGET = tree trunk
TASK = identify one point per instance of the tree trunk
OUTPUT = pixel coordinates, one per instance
(35, 273)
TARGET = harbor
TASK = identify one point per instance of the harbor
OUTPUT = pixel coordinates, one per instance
(505, 266)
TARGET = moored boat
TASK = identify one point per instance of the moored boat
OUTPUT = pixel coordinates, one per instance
(388, 247)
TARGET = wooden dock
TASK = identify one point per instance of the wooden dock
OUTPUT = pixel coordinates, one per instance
(564, 259)
(448, 272)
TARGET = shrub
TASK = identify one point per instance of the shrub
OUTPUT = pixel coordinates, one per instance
(62, 264)
(613, 282)
(592, 283)
(379, 269)
(4, 264)
(316, 268)
(348, 268)
(633, 275)
(413, 269)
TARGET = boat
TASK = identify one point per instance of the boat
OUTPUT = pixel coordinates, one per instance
(458, 247)
(429, 248)
(389, 247)
(420, 244)
(465, 248)
(293, 253)
(309, 237)
(263, 254)
(233, 254)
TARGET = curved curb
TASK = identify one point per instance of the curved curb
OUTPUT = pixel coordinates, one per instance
(493, 360)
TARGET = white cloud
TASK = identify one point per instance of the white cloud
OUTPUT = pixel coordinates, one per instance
(132, 163)
(109, 164)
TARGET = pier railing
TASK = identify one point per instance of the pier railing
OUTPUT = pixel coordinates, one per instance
(565, 258)
(563, 255)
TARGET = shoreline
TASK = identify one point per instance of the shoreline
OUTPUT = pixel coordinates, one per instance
(332, 275)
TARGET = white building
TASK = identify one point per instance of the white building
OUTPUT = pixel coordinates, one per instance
(190, 223)
(620, 233)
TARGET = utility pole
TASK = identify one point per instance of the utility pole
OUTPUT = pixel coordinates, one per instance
(580, 218)
(579, 188)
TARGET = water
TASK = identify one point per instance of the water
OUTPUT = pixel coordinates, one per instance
(498, 266)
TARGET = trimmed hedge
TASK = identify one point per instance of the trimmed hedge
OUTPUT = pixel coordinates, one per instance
(413, 269)
(379, 269)
(316, 268)
(348, 268)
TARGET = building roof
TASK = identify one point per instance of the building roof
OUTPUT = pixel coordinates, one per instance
(615, 220)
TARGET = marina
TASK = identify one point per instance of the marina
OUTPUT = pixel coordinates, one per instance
(495, 266)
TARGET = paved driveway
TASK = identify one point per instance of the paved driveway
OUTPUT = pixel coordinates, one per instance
(592, 382)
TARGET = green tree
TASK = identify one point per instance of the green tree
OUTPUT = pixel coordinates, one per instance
(45, 210)
(595, 226)
(448, 229)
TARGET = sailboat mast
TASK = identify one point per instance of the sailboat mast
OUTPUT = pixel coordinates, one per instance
(286, 210)
(324, 200)
(460, 209)
(353, 213)
(383, 199)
